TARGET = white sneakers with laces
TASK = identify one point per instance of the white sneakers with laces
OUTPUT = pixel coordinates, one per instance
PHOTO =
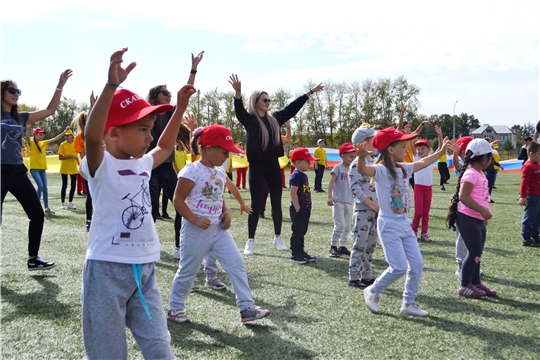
(250, 247)
(413, 309)
(280, 244)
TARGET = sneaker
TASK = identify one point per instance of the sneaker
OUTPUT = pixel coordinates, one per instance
(39, 264)
(372, 299)
(413, 309)
(261, 215)
(470, 291)
(215, 283)
(458, 271)
(178, 316)
(343, 251)
(530, 242)
(357, 284)
(253, 312)
(333, 252)
(71, 206)
(195, 287)
(166, 216)
(231, 196)
(49, 211)
(308, 257)
(88, 223)
(368, 281)
(298, 259)
(158, 217)
(442, 188)
(425, 238)
(279, 244)
(488, 291)
(250, 247)
(63, 206)
(176, 253)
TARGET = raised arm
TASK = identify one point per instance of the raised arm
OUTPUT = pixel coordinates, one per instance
(438, 130)
(195, 60)
(95, 126)
(51, 108)
(361, 166)
(58, 137)
(237, 86)
(317, 88)
(420, 127)
(402, 108)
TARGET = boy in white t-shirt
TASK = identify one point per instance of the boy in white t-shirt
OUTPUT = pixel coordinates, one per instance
(119, 283)
(341, 199)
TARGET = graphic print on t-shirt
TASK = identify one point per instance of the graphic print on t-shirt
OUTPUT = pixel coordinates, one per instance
(133, 215)
(397, 201)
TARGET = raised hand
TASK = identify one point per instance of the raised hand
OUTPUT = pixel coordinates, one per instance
(362, 151)
(64, 77)
(438, 129)
(189, 120)
(195, 60)
(236, 83)
(93, 99)
(182, 98)
(118, 74)
(317, 88)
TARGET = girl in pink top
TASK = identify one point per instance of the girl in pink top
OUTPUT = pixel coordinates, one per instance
(470, 211)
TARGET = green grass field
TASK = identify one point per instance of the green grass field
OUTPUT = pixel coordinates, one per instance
(315, 315)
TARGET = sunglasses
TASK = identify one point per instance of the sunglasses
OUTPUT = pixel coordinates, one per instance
(165, 92)
(14, 91)
(265, 100)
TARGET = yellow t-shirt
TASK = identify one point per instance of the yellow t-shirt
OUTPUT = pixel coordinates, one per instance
(497, 159)
(409, 158)
(180, 158)
(38, 160)
(320, 153)
(68, 166)
(443, 158)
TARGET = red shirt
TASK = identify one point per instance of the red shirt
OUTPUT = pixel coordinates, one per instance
(530, 179)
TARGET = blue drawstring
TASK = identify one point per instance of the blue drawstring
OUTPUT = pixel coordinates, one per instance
(137, 272)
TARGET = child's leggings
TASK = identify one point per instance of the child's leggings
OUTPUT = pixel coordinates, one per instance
(473, 232)
(64, 187)
(402, 253)
(422, 205)
(365, 237)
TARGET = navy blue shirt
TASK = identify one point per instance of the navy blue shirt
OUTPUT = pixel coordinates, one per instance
(11, 133)
(300, 180)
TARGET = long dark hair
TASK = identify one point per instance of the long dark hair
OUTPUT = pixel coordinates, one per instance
(14, 109)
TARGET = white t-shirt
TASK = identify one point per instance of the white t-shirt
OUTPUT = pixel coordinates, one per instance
(122, 230)
(341, 191)
(206, 197)
(424, 176)
(394, 196)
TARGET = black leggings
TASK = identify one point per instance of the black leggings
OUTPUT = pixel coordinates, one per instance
(64, 187)
(165, 178)
(473, 232)
(443, 172)
(258, 172)
(88, 205)
(15, 180)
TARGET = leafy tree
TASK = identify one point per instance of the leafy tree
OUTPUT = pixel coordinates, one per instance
(507, 146)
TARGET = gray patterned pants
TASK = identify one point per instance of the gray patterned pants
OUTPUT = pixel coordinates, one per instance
(364, 235)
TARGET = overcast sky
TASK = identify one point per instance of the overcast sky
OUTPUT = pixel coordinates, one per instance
(480, 53)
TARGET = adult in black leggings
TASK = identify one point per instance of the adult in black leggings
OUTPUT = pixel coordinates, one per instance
(13, 172)
(264, 147)
(164, 177)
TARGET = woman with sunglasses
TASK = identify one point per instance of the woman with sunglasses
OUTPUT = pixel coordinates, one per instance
(164, 176)
(14, 174)
(264, 147)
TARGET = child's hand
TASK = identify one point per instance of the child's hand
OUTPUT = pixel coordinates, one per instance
(455, 148)
(445, 143)
(190, 121)
(361, 150)
(330, 201)
(202, 222)
(523, 201)
(246, 208)
(117, 74)
(93, 99)
(486, 214)
(372, 205)
(438, 129)
(64, 77)
(182, 98)
(225, 219)
(195, 60)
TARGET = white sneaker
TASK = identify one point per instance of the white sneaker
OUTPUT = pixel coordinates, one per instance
(372, 299)
(176, 253)
(250, 247)
(231, 196)
(279, 244)
(63, 206)
(413, 309)
(71, 206)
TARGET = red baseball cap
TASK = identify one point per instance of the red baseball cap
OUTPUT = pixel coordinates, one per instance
(384, 138)
(422, 142)
(38, 130)
(463, 142)
(128, 107)
(218, 135)
(345, 148)
(302, 154)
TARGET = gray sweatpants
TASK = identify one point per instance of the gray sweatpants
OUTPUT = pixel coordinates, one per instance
(365, 237)
(195, 243)
(110, 302)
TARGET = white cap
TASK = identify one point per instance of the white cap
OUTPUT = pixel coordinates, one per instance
(479, 147)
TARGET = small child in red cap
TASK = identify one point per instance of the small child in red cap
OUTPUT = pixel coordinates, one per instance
(341, 199)
(300, 209)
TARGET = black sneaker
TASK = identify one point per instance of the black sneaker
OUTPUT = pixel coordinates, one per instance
(261, 216)
(357, 284)
(530, 242)
(333, 252)
(88, 223)
(368, 281)
(308, 257)
(343, 251)
(39, 264)
(166, 216)
(298, 259)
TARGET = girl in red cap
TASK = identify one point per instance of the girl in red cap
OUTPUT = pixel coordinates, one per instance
(199, 199)
(391, 175)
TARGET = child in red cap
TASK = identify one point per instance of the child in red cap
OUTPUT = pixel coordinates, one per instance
(300, 209)
(198, 197)
(119, 282)
(341, 199)
(391, 175)
(423, 190)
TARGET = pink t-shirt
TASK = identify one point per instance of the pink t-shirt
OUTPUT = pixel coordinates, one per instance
(479, 193)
